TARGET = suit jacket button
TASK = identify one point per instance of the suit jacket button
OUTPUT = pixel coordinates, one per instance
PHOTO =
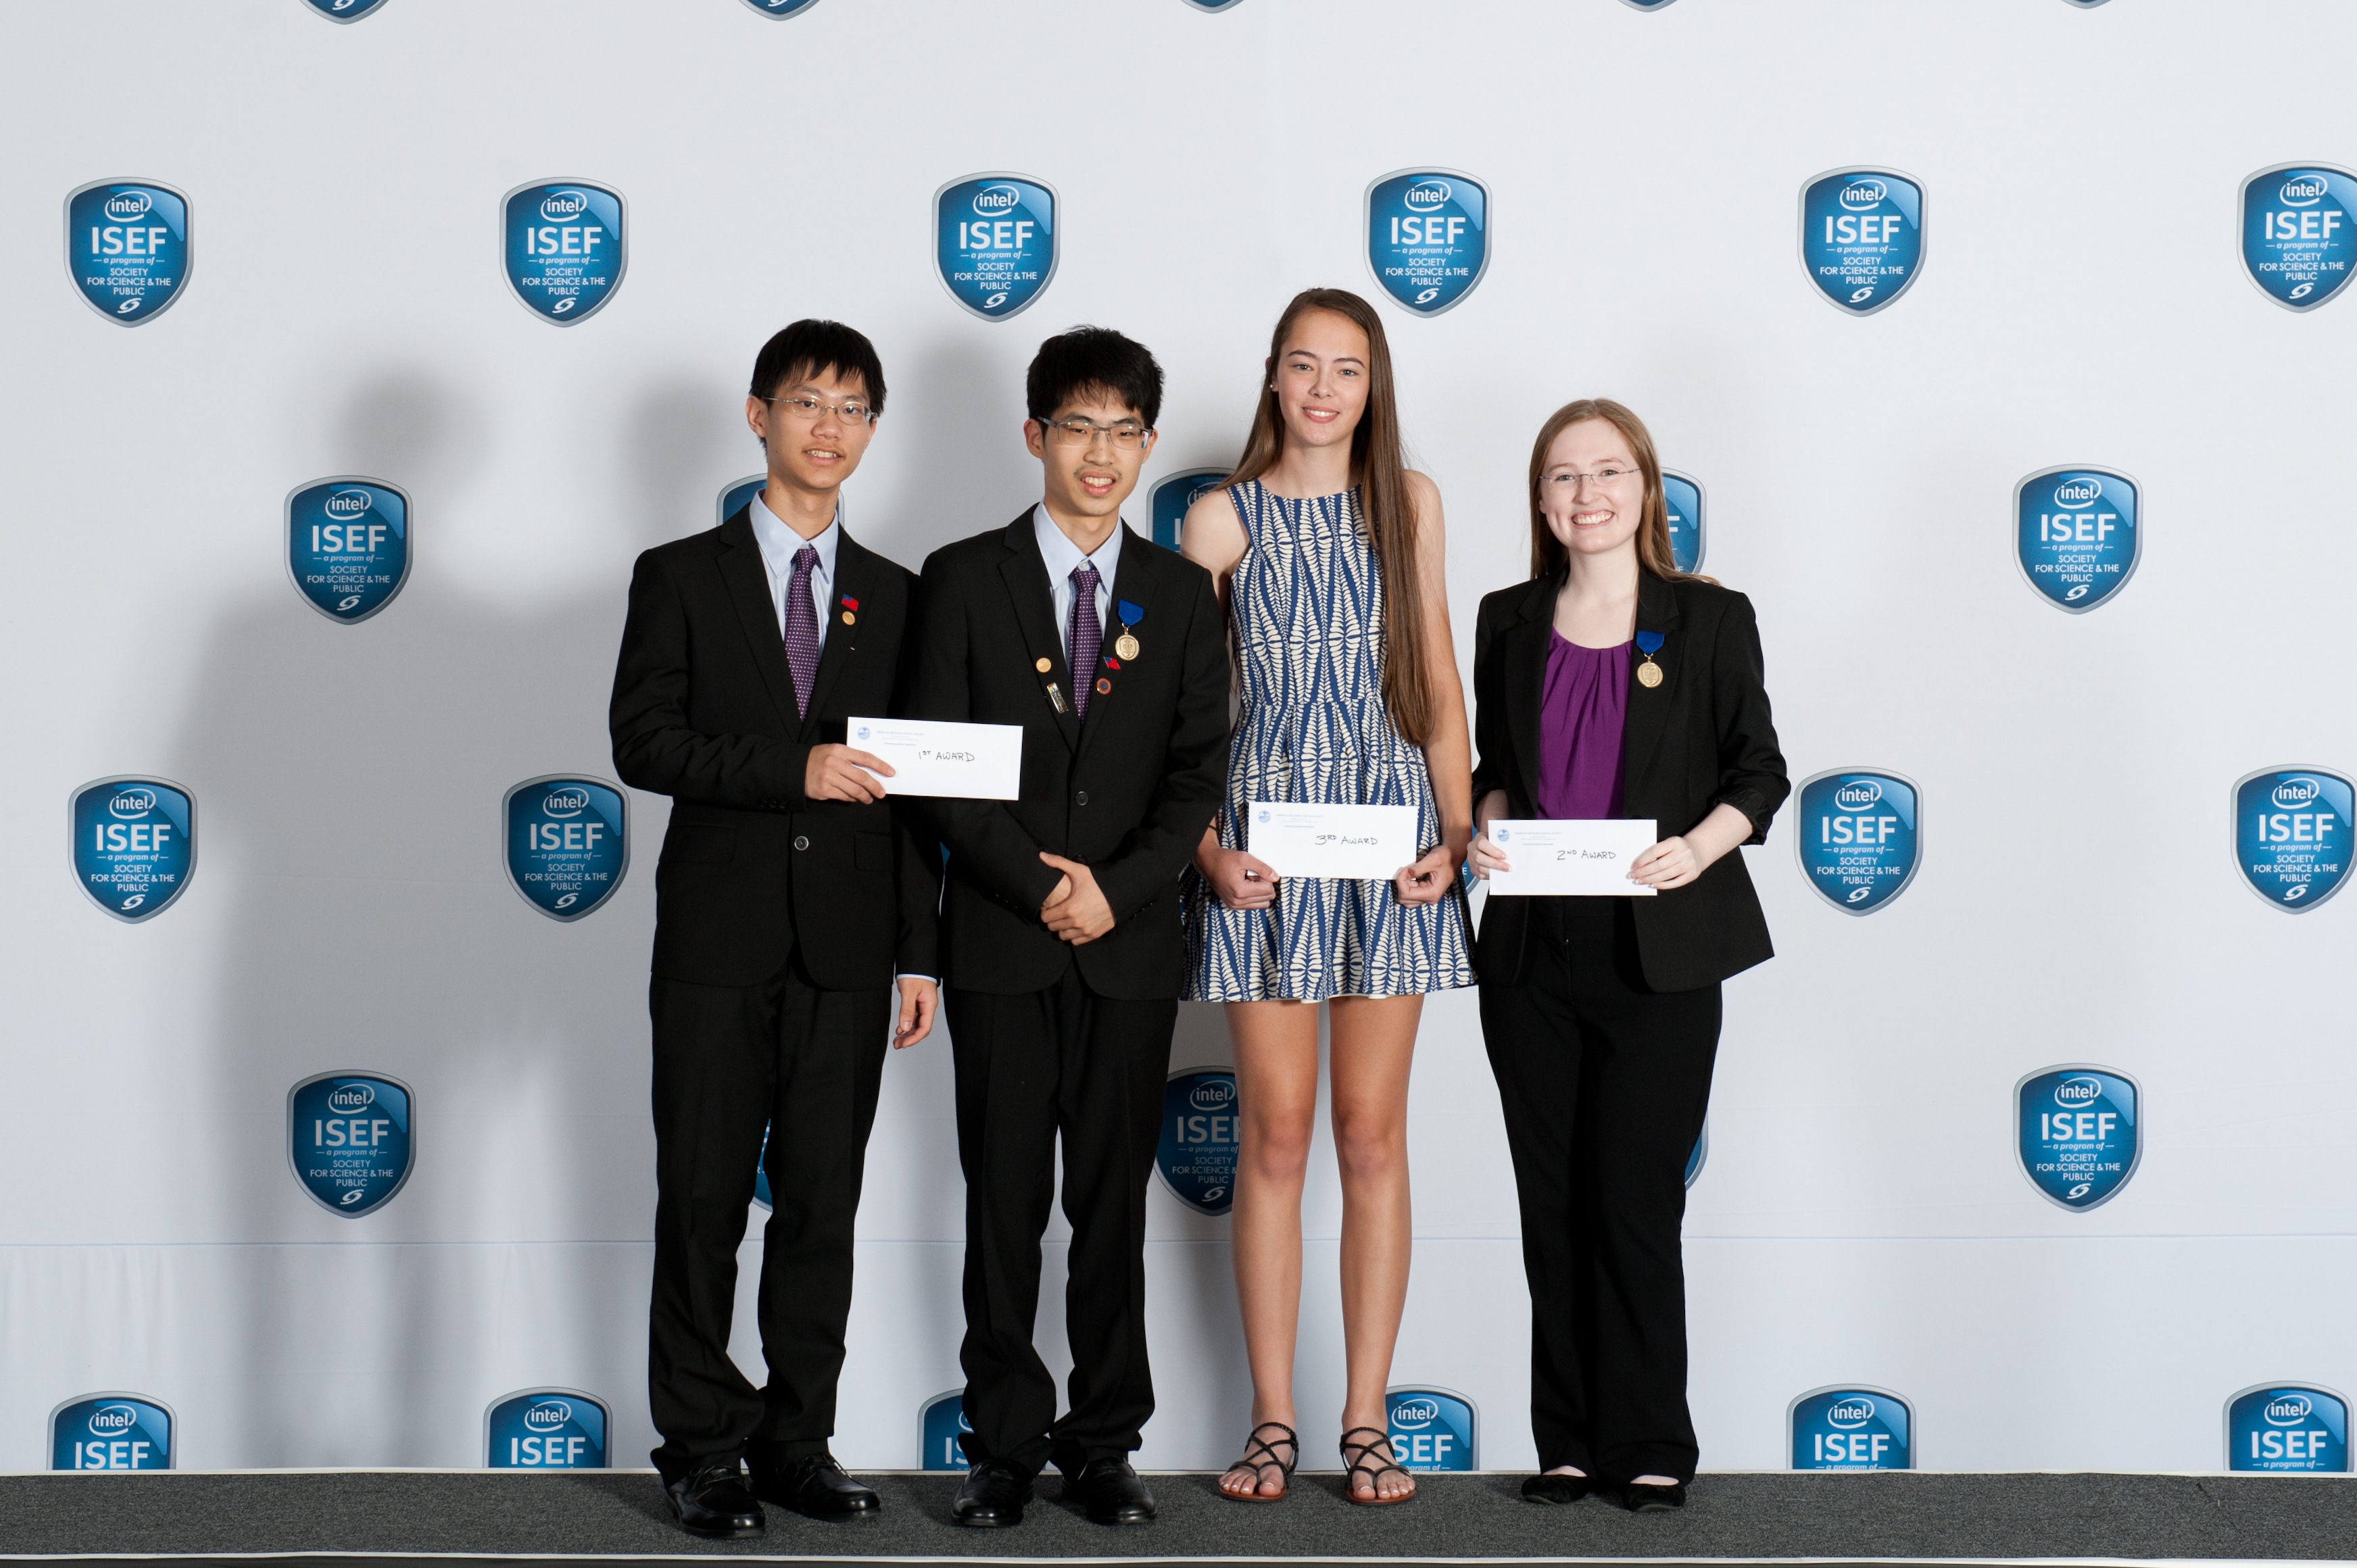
(1082, 797)
(801, 840)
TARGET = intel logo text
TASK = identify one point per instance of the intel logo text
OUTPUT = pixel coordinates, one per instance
(1430, 197)
(2078, 1091)
(996, 199)
(351, 1098)
(1415, 1412)
(2288, 1413)
(1864, 193)
(2078, 492)
(549, 1415)
(1211, 1096)
(129, 205)
(2297, 792)
(1858, 796)
(108, 1420)
(565, 803)
(139, 802)
(1851, 1413)
(2305, 191)
(563, 206)
(349, 503)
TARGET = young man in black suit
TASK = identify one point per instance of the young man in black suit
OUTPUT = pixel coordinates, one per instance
(1061, 921)
(790, 897)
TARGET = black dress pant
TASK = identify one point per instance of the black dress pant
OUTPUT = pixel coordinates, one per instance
(1091, 1069)
(729, 1060)
(1605, 1085)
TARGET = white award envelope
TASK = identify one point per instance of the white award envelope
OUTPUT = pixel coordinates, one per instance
(1368, 843)
(1589, 858)
(935, 757)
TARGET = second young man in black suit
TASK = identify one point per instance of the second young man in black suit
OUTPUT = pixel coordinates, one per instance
(788, 898)
(1060, 922)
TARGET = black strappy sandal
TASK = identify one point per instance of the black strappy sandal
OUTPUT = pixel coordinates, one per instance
(1388, 1464)
(1255, 1444)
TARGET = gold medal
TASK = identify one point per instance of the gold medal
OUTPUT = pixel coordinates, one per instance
(1649, 674)
(1126, 645)
(1043, 666)
(848, 619)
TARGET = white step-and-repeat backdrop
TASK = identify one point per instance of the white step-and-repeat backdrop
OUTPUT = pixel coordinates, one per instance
(2000, 341)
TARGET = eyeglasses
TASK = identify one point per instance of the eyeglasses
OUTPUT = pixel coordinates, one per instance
(1603, 477)
(808, 409)
(1127, 436)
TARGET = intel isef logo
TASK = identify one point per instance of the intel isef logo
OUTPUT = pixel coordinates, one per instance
(994, 241)
(737, 495)
(1699, 1156)
(1202, 1137)
(941, 1423)
(2298, 238)
(352, 1139)
(2079, 1131)
(1173, 496)
(565, 244)
(1862, 237)
(1433, 1429)
(348, 545)
(1682, 497)
(133, 844)
(128, 247)
(568, 843)
(1860, 838)
(1852, 1427)
(1427, 237)
(782, 7)
(112, 1432)
(2287, 1428)
(546, 1429)
(342, 10)
(2292, 829)
(2077, 534)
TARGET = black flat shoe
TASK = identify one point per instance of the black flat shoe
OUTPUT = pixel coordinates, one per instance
(712, 1501)
(991, 1496)
(1111, 1491)
(1644, 1496)
(815, 1487)
(1555, 1489)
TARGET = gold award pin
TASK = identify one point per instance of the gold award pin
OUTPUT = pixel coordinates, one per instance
(848, 619)
(1649, 674)
(1126, 645)
(1043, 666)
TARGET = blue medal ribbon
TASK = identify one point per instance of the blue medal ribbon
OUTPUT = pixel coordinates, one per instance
(1132, 614)
(1649, 643)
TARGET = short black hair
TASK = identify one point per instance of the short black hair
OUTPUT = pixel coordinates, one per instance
(811, 347)
(1092, 359)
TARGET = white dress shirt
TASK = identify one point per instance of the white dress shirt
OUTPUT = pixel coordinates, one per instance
(779, 543)
(1064, 558)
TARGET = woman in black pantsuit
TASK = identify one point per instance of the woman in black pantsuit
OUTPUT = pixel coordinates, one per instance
(1613, 685)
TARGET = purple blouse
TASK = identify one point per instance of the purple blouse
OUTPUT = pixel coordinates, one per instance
(1581, 708)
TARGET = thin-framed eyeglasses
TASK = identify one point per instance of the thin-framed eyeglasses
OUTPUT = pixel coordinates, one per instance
(808, 409)
(1603, 479)
(1128, 434)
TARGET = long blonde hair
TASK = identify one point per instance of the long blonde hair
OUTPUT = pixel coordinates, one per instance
(1379, 468)
(1548, 552)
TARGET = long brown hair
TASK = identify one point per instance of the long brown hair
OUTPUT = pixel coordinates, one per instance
(1548, 552)
(1378, 468)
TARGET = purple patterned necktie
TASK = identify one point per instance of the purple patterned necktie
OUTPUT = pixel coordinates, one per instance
(801, 629)
(1085, 638)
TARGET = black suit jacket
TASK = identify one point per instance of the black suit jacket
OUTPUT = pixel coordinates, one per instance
(1127, 794)
(704, 712)
(1702, 737)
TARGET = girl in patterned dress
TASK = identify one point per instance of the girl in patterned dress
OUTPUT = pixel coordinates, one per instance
(1327, 553)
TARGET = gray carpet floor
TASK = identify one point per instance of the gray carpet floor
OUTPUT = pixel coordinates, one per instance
(590, 1515)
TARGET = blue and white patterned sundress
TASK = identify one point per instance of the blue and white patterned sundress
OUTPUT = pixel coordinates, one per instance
(1307, 605)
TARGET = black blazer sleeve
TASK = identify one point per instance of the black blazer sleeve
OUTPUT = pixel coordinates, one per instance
(1150, 859)
(1493, 753)
(1751, 766)
(915, 851)
(654, 748)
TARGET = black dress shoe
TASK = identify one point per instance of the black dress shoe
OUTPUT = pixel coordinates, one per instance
(712, 1500)
(1111, 1491)
(1644, 1496)
(992, 1496)
(1552, 1489)
(814, 1486)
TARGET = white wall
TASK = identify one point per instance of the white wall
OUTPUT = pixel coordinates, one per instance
(1862, 1217)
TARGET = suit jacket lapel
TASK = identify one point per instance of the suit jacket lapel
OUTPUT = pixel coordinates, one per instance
(853, 576)
(1525, 658)
(1025, 574)
(1133, 580)
(747, 582)
(1649, 706)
